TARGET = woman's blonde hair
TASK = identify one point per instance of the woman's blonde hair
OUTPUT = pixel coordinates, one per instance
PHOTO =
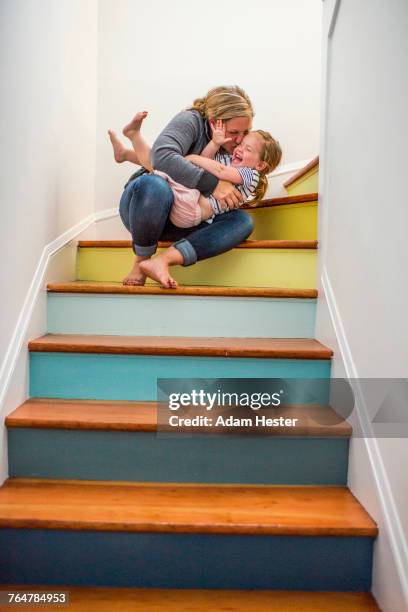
(225, 102)
(271, 154)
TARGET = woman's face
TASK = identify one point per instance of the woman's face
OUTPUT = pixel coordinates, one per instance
(236, 129)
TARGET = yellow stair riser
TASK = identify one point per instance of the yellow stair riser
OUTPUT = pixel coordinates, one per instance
(309, 183)
(287, 222)
(290, 268)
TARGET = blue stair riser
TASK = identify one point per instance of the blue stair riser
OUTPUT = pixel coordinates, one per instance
(164, 560)
(134, 377)
(161, 315)
(147, 457)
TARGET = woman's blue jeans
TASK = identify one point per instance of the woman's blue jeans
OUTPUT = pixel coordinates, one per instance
(144, 209)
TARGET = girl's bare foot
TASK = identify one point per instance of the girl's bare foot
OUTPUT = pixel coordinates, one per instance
(158, 269)
(119, 150)
(135, 276)
(135, 124)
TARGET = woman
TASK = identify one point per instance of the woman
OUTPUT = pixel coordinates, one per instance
(147, 198)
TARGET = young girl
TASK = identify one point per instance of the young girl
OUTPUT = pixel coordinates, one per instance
(256, 156)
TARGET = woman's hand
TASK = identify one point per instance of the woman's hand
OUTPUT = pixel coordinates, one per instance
(227, 195)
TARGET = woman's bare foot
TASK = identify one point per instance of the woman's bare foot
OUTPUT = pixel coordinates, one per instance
(119, 149)
(158, 269)
(135, 124)
(135, 276)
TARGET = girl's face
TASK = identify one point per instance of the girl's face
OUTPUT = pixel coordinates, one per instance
(236, 129)
(248, 153)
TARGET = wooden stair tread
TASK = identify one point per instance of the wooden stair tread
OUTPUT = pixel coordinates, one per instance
(247, 244)
(58, 413)
(183, 508)
(284, 201)
(285, 348)
(319, 421)
(312, 164)
(105, 599)
(118, 288)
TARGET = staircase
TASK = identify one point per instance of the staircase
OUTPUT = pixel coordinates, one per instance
(96, 498)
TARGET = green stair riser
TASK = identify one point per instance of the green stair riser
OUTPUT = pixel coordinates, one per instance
(287, 268)
(308, 183)
(287, 222)
(151, 457)
(134, 377)
(163, 315)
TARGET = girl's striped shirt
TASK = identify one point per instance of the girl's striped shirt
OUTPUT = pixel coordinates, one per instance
(250, 180)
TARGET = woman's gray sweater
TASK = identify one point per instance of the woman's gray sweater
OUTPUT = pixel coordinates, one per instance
(186, 133)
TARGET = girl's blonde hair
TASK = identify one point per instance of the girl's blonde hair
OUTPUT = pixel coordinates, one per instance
(271, 154)
(225, 102)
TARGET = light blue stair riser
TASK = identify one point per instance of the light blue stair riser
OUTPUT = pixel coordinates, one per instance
(147, 457)
(163, 315)
(134, 377)
(195, 561)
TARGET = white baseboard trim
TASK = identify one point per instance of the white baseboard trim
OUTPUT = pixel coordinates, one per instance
(108, 213)
(17, 339)
(292, 167)
(393, 524)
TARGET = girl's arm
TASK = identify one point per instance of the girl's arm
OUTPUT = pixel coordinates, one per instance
(210, 150)
(224, 173)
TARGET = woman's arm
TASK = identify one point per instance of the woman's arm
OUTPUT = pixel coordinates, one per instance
(224, 173)
(184, 134)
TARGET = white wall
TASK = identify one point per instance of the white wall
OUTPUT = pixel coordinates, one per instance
(159, 56)
(48, 60)
(363, 258)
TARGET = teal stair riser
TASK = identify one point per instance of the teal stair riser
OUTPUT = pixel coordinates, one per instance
(163, 315)
(147, 457)
(134, 377)
(164, 560)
